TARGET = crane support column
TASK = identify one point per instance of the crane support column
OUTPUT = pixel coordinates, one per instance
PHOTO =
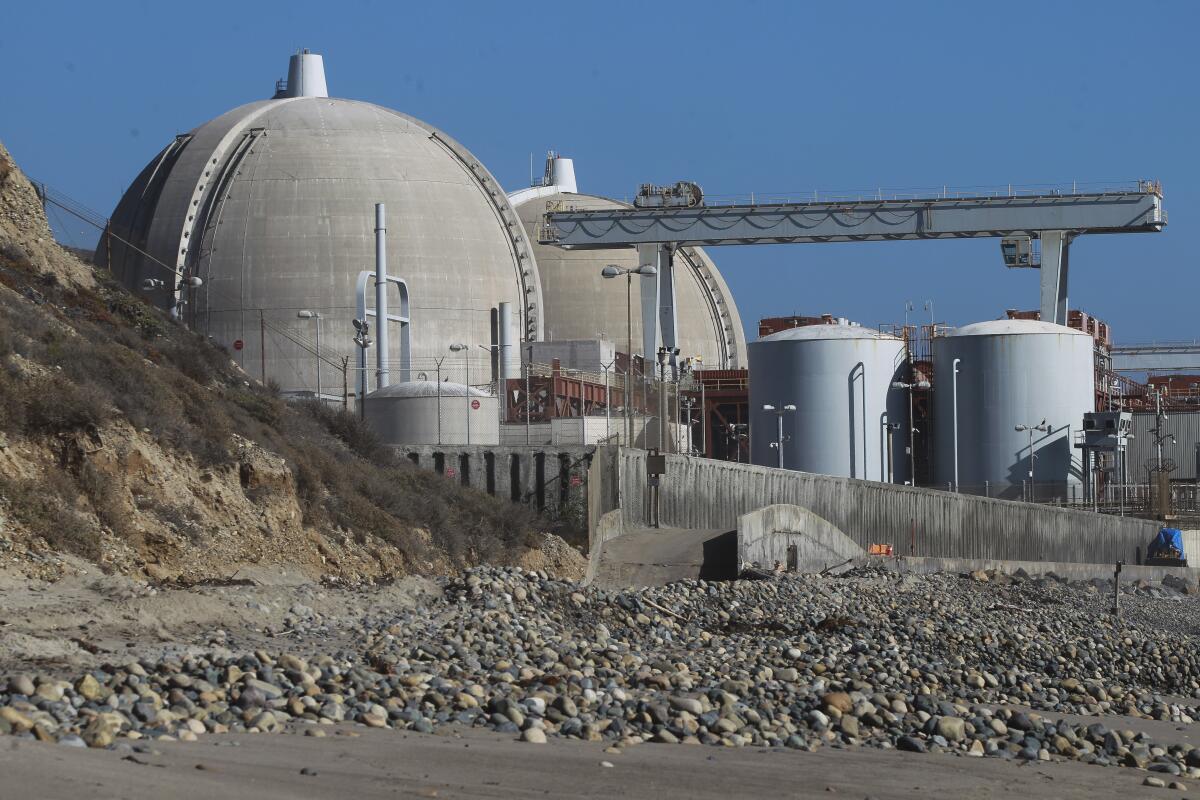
(659, 325)
(1056, 247)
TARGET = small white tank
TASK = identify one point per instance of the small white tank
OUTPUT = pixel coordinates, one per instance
(426, 412)
(847, 415)
(1010, 373)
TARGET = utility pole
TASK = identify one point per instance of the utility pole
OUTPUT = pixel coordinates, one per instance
(262, 344)
(345, 382)
(438, 362)
(607, 400)
(528, 404)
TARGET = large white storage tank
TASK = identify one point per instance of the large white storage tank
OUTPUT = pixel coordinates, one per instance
(848, 415)
(1010, 373)
(426, 412)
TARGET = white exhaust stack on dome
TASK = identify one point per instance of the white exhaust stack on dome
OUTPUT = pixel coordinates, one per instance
(560, 173)
(306, 76)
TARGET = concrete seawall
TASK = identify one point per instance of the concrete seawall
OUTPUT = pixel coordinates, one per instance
(706, 494)
(702, 494)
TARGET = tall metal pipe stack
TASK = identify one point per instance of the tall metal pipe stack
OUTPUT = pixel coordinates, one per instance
(507, 358)
(381, 310)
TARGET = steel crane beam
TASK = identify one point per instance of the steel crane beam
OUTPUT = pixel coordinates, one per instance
(1053, 217)
(1169, 357)
(1134, 211)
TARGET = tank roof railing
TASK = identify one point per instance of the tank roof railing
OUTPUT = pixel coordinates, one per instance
(946, 192)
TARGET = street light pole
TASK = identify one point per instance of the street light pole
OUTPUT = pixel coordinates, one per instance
(363, 340)
(779, 412)
(688, 405)
(306, 314)
(912, 430)
(613, 271)
(955, 383)
(780, 440)
(1042, 426)
(628, 358)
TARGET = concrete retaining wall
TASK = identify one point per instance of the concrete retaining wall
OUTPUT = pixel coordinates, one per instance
(765, 536)
(551, 479)
(702, 493)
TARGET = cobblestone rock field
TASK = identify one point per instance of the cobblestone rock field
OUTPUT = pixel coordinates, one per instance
(981, 665)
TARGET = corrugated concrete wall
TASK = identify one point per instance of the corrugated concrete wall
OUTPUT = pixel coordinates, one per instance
(701, 493)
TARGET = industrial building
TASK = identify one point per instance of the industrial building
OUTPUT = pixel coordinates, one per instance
(506, 326)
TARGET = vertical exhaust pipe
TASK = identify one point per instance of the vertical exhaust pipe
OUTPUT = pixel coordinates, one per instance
(506, 355)
(381, 309)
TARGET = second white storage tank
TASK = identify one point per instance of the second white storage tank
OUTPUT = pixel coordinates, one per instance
(847, 416)
(1011, 373)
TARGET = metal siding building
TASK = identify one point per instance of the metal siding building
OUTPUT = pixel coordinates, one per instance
(1185, 426)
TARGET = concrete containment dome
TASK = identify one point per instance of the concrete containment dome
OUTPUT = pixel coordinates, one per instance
(580, 304)
(271, 206)
(1011, 373)
(848, 417)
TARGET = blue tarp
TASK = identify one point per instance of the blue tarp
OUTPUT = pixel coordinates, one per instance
(1168, 539)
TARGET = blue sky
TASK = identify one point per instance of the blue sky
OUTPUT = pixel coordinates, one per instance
(737, 96)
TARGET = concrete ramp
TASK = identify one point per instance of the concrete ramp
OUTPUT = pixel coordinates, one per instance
(791, 536)
(658, 556)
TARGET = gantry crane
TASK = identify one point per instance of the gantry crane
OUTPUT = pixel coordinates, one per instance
(664, 219)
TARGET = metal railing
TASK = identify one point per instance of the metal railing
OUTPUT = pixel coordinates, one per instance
(1129, 499)
(945, 192)
(881, 195)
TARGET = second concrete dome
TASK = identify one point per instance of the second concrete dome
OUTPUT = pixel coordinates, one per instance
(580, 304)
